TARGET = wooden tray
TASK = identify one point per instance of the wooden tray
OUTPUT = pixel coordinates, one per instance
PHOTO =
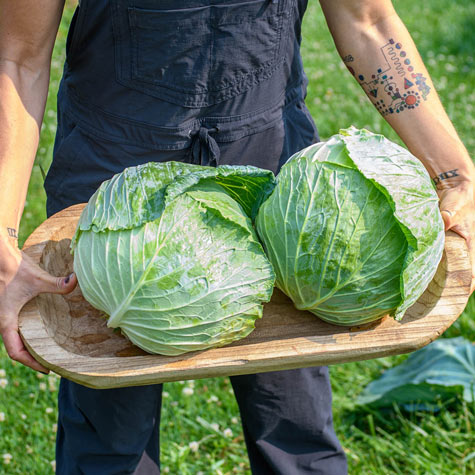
(67, 335)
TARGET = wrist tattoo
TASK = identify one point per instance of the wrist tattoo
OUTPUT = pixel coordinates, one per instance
(395, 86)
(12, 232)
(444, 176)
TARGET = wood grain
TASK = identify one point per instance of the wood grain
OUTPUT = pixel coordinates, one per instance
(70, 337)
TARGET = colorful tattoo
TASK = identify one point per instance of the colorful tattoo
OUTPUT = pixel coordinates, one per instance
(394, 87)
(444, 176)
(12, 233)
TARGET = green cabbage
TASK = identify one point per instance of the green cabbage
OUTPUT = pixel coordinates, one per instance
(353, 228)
(169, 253)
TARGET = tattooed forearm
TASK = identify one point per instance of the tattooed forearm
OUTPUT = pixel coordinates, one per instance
(444, 176)
(394, 86)
(12, 232)
(348, 58)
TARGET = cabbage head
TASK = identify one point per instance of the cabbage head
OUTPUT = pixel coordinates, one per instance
(168, 251)
(353, 228)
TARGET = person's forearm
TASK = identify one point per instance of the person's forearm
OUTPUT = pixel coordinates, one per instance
(22, 101)
(27, 33)
(380, 53)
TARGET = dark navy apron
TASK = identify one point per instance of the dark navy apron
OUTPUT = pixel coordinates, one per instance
(205, 82)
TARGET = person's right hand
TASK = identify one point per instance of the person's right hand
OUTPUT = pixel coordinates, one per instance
(457, 205)
(20, 281)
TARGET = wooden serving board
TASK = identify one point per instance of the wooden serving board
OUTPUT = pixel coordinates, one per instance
(67, 335)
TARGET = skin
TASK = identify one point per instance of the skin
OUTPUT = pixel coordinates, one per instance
(27, 33)
(362, 31)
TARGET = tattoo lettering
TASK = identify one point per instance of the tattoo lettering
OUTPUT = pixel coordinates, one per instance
(12, 233)
(394, 87)
(445, 176)
(348, 58)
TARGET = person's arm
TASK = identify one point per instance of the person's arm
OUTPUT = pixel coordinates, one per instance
(378, 50)
(27, 33)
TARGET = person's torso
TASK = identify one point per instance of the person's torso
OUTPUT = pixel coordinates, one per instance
(208, 82)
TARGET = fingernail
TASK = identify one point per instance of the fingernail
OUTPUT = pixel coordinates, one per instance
(68, 278)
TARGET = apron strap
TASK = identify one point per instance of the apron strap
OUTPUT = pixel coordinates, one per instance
(204, 149)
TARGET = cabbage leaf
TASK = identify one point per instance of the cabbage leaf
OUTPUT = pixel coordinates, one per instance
(442, 369)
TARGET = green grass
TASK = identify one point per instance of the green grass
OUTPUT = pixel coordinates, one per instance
(194, 435)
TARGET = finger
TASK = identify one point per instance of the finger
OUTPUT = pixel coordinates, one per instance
(461, 231)
(472, 260)
(472, 287)
(471, 250)
(17, 351)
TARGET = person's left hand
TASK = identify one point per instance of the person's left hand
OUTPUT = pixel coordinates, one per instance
(457, 206)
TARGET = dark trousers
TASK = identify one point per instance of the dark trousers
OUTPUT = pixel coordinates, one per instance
(286, 418)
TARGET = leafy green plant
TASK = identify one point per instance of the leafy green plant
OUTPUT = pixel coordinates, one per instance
(172, 258)
(439, 371)
(353, 228)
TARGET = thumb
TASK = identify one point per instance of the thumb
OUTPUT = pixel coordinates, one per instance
(453, 220)
(453, 206)
(42, 281)
(449, 218)
(451, 209)
(45, 282)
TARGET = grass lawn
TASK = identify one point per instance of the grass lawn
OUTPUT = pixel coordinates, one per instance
(200, 422)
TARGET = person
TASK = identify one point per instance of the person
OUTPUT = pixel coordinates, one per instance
(206, 82)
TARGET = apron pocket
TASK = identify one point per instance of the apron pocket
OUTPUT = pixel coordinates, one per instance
(196, 57)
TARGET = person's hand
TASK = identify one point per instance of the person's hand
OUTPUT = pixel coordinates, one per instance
(457, 206)
(20, 281)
